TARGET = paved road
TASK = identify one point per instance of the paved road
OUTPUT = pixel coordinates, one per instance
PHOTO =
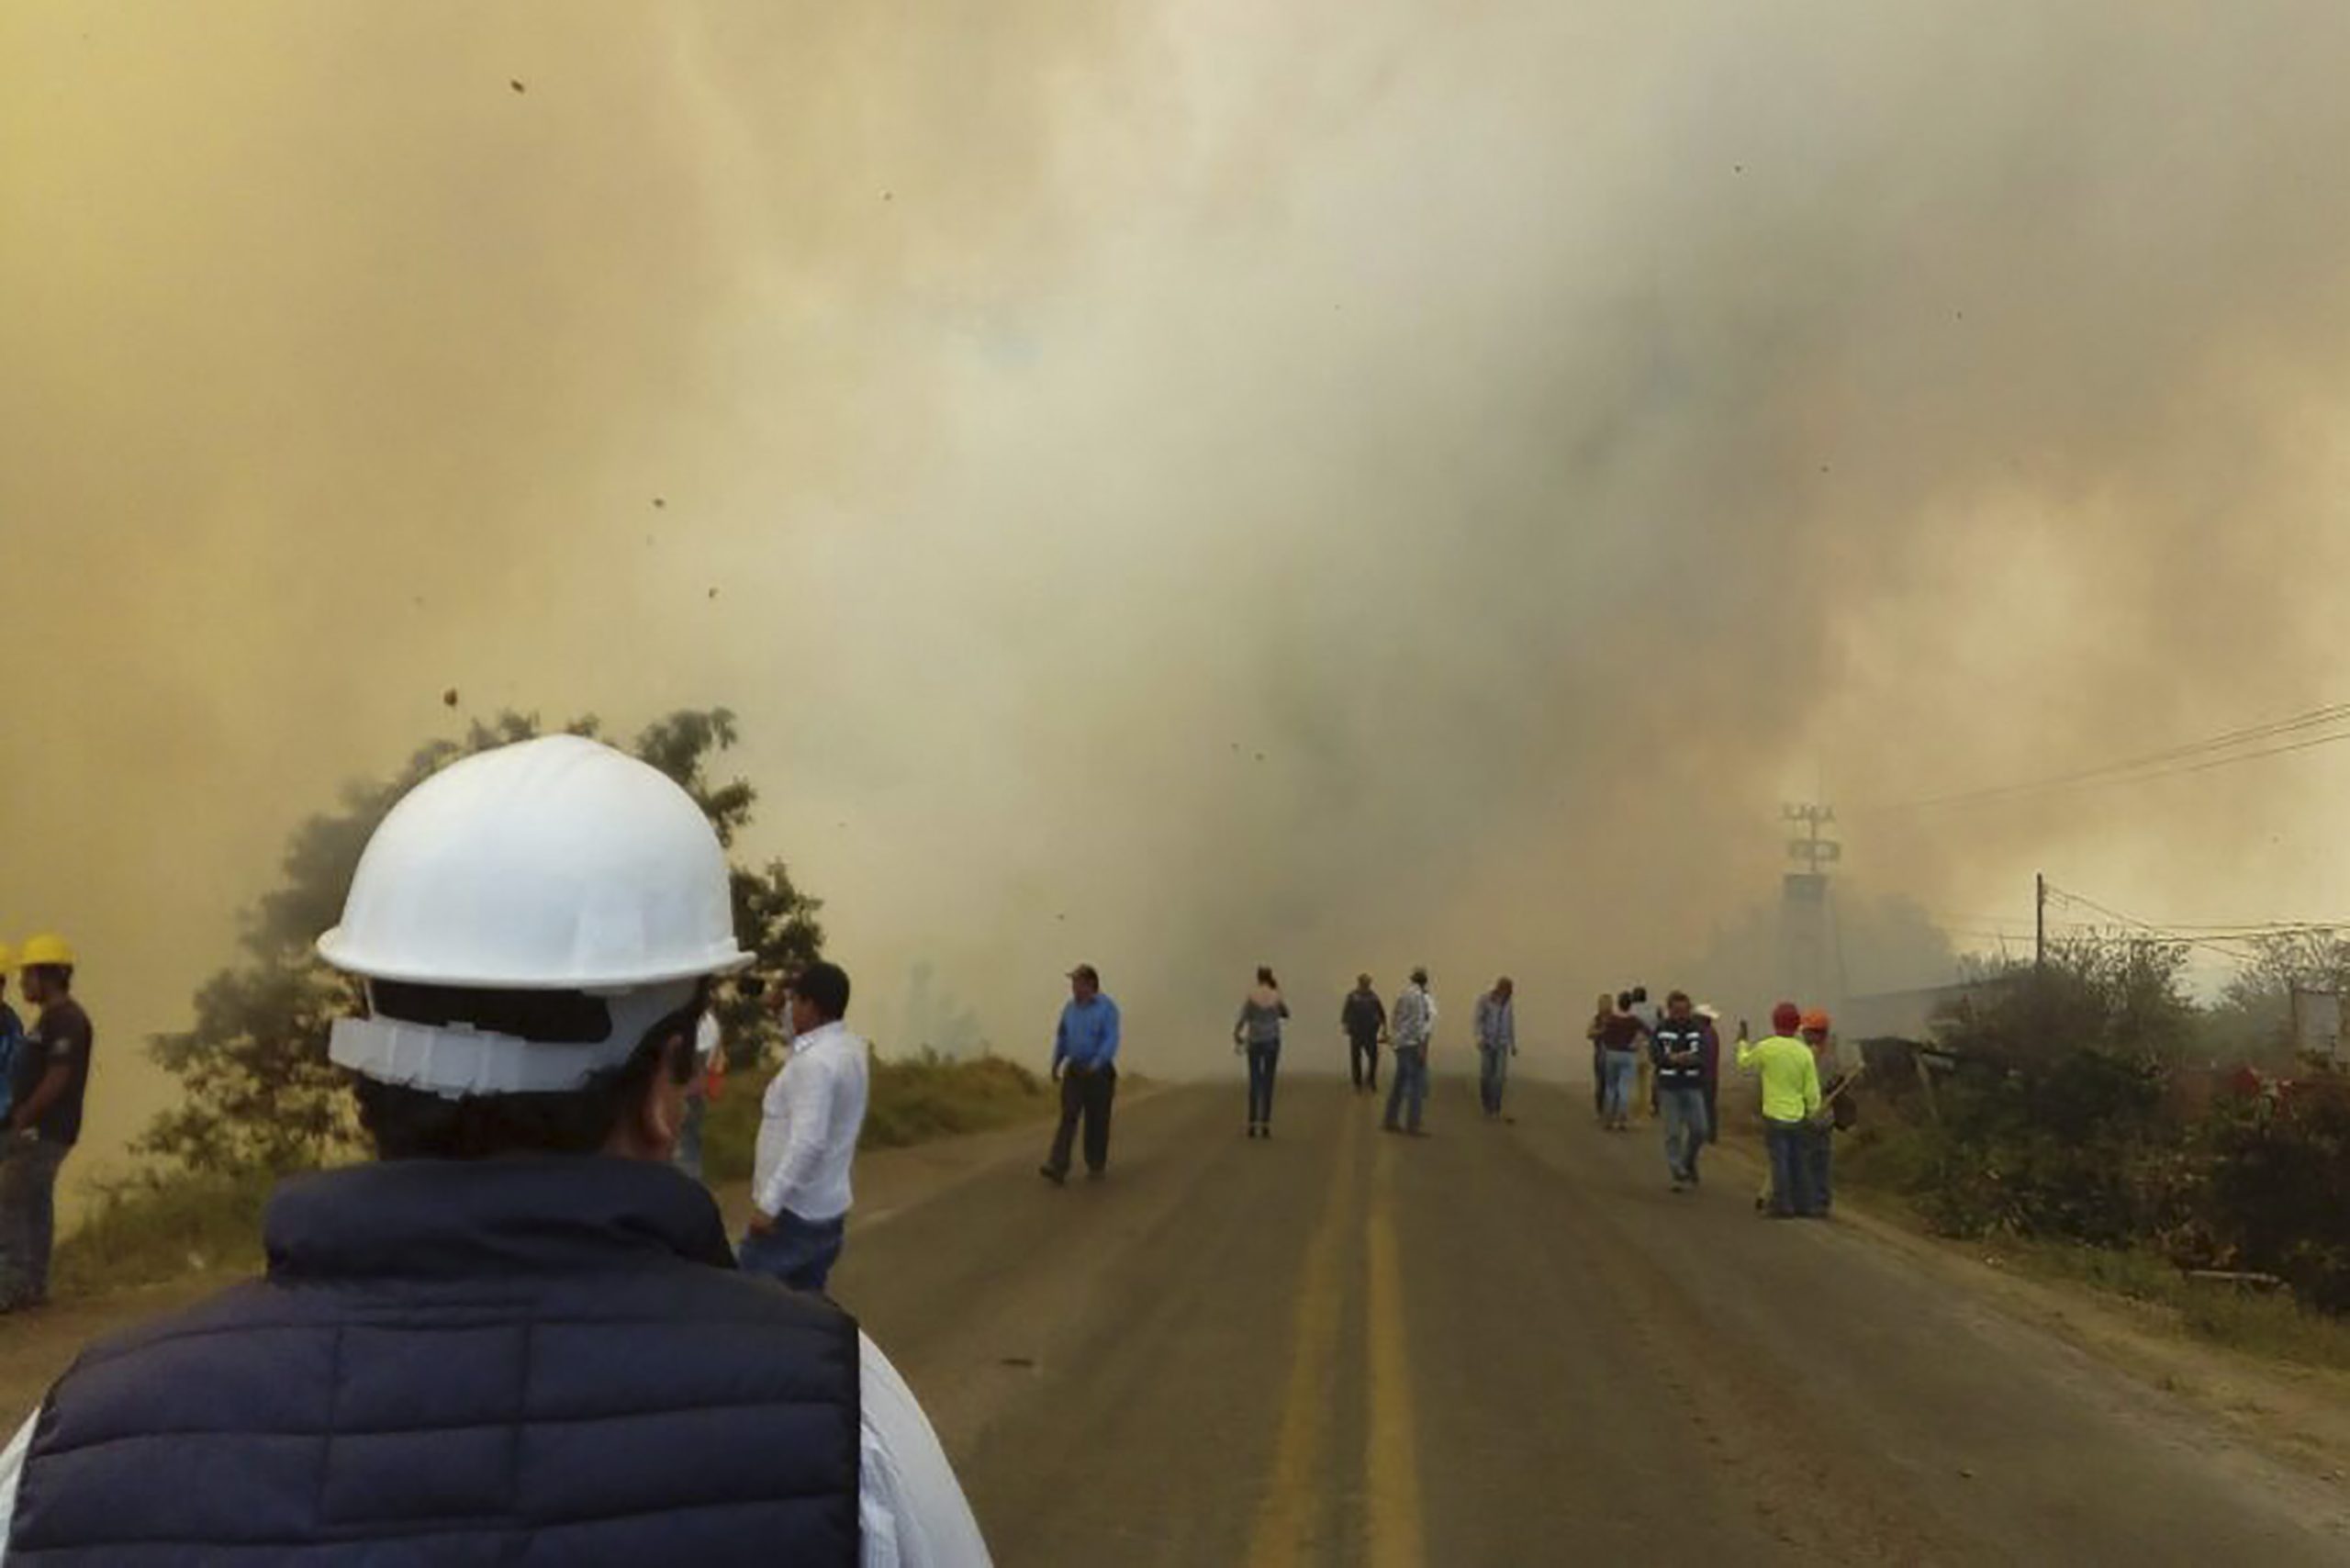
(1508, 1344)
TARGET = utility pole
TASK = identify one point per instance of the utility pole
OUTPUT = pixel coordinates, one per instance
(1807, 934)
(2038, 924)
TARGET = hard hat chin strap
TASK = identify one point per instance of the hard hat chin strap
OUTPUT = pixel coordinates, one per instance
(456, 1061)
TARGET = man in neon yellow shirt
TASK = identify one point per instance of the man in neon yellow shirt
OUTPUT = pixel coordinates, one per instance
(1790, 1099)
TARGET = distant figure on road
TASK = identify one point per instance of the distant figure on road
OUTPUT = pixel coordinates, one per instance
(808, 1125)
(1257, 1032)
(1644, 1089)
(1497, 1042)
(1819, 1133)
(1712, 1018)
(1597, 1033)
(706, 1056)
(49, 1076)
(1364, 1018)
(517, 1334)
(12, 1029)
(1678, 1047)
(1621, 1032)
(1790, 1099)
(1413, 1027)
(1085, 1058)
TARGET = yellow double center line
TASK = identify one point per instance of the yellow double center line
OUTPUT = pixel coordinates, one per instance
(1289, 1527)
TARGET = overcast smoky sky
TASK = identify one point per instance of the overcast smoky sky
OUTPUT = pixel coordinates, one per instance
(1181, 487)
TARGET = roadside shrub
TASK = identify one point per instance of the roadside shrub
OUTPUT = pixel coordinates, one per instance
(2277, 1190)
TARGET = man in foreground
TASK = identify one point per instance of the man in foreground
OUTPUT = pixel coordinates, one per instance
(808, 1125)
(49, 1077)
(1413, 1027)
(1790, 1099)
(1678, 1048)
(1085, 1064)
(1364, 1018)
(518, 1336)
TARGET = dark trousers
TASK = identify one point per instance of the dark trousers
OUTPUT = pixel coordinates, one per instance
(799, 1252)
(1362, 1057)
(1819, 1150)
(27, 1217)
(1088, 1095)
(1262, 1062)
(1790, 1170)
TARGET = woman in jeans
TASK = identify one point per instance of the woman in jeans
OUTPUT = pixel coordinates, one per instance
(1257, 1033)
(1619, 1033)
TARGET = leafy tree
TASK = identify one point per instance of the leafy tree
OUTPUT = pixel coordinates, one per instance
(256, 1087)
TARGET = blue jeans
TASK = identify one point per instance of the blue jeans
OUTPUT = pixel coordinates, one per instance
(1685, 1127)
(687, 1155)
(1408, 1085)
(1790, 1172)
(1493, 1077)
(799, 1252)
(1623, 1069)
(28, 1218)
(1819, 1149)
(1262, 1061)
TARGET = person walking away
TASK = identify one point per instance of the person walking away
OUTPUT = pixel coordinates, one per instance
(1644, 1089)
(1257, 1032)
(1085, 1058)
(809, 1124)
(707, 1041)
(1412, 1028)
(1497, 1042)
(1620, 1036)
(1820, 1132)
(49, 1077)
(517, 1333)
(1790, 1098)
(1710, 1015)
(1678, 1047)
(1597, 1033)
(1365, 1019)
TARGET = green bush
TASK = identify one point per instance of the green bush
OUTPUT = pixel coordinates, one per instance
(2276, 1195)
(157, 1227)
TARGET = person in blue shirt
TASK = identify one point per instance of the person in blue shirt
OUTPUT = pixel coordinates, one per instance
(1085, 1058)
(12, 1031)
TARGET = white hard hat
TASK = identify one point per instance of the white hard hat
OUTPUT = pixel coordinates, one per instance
(556, 864)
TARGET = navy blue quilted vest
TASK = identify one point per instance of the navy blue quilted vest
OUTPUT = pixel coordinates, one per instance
(543, 1361)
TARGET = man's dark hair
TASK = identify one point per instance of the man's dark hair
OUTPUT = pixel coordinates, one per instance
(826, 986)
(1623, 999)
(1676, 996)
(415, 1123)
(1639, 993)
(1265, 975)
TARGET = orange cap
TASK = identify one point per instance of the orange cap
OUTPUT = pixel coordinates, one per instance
(1816, 1019)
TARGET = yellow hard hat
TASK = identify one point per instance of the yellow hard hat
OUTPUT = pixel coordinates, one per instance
(46, 948)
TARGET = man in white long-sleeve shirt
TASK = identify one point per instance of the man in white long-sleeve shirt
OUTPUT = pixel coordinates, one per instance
(812, 1115)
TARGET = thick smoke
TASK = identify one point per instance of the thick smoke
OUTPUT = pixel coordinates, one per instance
(1182, 486)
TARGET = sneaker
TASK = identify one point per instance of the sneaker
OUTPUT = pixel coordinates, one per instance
(1057, 1177)
(1679, 1185)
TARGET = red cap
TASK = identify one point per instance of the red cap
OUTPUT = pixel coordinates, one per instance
(1786, 1018)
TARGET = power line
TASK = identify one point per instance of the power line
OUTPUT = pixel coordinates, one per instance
(2193, 757)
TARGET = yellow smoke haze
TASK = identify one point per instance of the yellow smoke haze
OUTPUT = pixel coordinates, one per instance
(1179, 486)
